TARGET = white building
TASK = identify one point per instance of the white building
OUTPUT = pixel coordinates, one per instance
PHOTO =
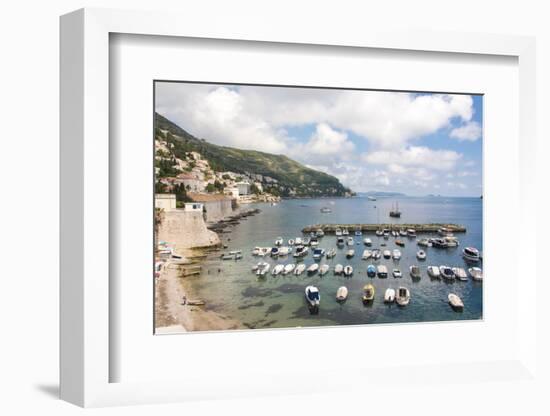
(193, 206)
(166, 202)
(243, 187)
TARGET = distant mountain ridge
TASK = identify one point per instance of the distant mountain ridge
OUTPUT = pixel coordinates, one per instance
(282, 175)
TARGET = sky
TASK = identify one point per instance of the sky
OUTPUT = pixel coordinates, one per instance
(414, 143)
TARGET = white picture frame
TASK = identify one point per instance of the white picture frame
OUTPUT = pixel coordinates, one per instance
(86, 356)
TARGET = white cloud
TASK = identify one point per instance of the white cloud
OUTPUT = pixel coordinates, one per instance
(327, 141)
(470, 131)
(415, 156)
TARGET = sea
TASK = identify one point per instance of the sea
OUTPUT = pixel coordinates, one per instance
(229, 287)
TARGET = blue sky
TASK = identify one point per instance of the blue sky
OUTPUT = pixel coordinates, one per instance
(371, 140)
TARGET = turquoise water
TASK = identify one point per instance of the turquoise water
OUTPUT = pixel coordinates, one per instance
(229, 287)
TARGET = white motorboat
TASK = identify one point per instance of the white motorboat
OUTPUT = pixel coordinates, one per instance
(326, 210)
(291, 242)
(421, 255)
(403, 296)
(389, 295)
(331, 253)
(262, 268)
(345, 231)
(318, 253)
(314, 242)
(433, 272)
(396, 254)
(284, 251)
(313, 296)
(366, 254)
(358, 232)
(277, 269)
(411, 232)
(382, 271)
(320, 233)
(446, 273)
(445, 232)
(342, 294)
(348, 270)
(298, 241)
(300, 268)
(471, 254)
(338, 232)
(368, 242)
(338, 269)
(425, 242)
(340, 241)
(274, 252)
(455, 301)
(350, 241)
(387, 254)
(260, 251)
(379, 233)
(279, 241)
(313, 268)
(323, 269)
(350, 253)
(386, 233)
(397, 273)
(306, 241)
(415, 271)
(476, 273)
(403, 233)
(451, 241)
(301, 251)
(289, 268)
(460, 274)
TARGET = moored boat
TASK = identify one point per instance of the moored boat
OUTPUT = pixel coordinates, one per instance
(279, 241)
(291, 242)
(366, 254)
(433, 272)
(471, 254)
(389, 295)
(396, 254)
(331, 253)
(284, 251)
(301, 251)
(342, 294)
(348, 270)
(476, 273)
(318, 253)
(460, 274)
(350, 253)
(262, 268)
(367, 242)
(313, 297)
(455, 301)
(338, 269)
(338, 232)
(358, 232)
(425, 242)
(421, 255)
(277, 269)
(386, 254)
(376, 254)
(368, 293)
(313, 268)
(345, 231)
(382, 271)
(411, 233)
(323, 269)
(397, 273)
(289, 268)
(400, 243)
(350, 241)
(415, 271)
(371, 270)
(340, 241)
(300, 268)
(403, 296)
(446, 272)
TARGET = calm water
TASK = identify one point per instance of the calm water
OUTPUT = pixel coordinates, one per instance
(278, 301)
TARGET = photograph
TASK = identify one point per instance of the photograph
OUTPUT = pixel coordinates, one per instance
(281, 206)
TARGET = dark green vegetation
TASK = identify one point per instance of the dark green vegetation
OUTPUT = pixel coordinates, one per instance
(280, 175)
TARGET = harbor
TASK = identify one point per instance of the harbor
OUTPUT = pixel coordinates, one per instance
(234, 296)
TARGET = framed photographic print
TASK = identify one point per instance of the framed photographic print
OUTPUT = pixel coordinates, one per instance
(238, 208)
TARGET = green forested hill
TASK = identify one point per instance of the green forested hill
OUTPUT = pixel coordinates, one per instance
(292, 178)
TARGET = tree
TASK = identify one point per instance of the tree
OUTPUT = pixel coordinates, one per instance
(226, 177)
(254, 189)
(210, 188)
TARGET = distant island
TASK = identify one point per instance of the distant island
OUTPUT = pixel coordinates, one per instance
(381, 194)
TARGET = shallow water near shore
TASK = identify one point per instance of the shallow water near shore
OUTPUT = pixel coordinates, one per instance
(230, 288)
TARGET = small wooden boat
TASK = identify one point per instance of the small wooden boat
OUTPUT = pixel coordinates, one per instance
(403, 296)
(348, 271)
(342, 294)
(368, 293)
(455, 301)
(389, 295)
(400, 243)
(476, 273)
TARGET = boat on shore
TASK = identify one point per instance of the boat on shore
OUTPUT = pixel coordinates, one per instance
(471, 254)
(403, 296)
(415, 272)
(300, 268)
(382, 271)
(389, 295)
(338, 269)
(323, 269)
(460, 274)
(447, 273)
(433, 272)
(368, 293)
(342, 294)
(455, 301)
(348, 271)
(476, 273)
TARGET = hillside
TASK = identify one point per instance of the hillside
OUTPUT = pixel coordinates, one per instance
(279, 174)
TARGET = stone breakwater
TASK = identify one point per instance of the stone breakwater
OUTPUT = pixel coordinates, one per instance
(186, 230)
(419, 228)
